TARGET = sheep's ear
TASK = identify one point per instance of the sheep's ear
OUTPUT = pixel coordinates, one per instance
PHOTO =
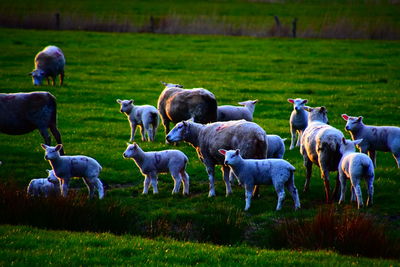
(307, 108)
(290, 100)
(58, 147)
(358, 141)
(345, 117)
(130, 101)
(190, 120)
(119, 101)
(48, 171)
(323, 109)
(255, 101)
(359, 119)
(44, 146)
(237, 152)
(128, 144)
(305, 101)
(222, 151)
(242, 103)
(163, 83)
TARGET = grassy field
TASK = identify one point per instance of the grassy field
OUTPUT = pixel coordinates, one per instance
(353, 77)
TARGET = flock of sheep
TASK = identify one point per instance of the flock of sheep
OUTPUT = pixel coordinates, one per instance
(221, 135)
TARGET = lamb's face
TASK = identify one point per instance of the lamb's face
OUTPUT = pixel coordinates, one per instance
(298, 103)
(51, 152)
(52, 178)
(37, 77)
(178, 132)
(353, 123)
(131, 151)
(231, 156)
(126, 105)
(349, 145)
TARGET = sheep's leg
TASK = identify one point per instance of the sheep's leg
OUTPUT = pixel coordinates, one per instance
(299, 135)
(90, 186)
(248, 194)
(342, 179)
(232, 178)
(353, 194)
(99, 186)
(165, 122)
(142, 132)
(46, 136)
(48, 80)
(154, 183)
(64, 187)
(210, 172)
(308, 165)
(281, 195)
(185, 181)
(397, 158)
(146, 184)
(177, 181)
(336, 190)
(293, 139)
(357, 189)
(226, 172)
(53, 80)
(293, 191)
(323, 161)
(372, 155)
(61, 78)
(154, 133)
(57, 136)
(133, 131)
(370, 190)
(150, 133)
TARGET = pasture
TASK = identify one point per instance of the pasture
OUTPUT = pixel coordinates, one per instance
(352, 77)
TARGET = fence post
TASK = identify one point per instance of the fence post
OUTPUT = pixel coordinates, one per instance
(278, 25)
(294, 27)
(57, 15)
(152, 24)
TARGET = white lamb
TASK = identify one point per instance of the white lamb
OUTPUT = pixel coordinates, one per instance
(252, 172)
(44, 186)
(298, 120)
(276, 146)
(152, 163)
(65, 167)
(375, 138)
(355, 166)
(230, 113)
(145, 116)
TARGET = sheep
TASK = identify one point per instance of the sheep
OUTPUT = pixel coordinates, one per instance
(252, 172)
(65, 167)
(207, 139)
(375, 138)
(152, 163)
(276, 146)
(145, 116)
(355, 166)
(49, 62)
(230, 113)
(298, 120)
(320, 144)
(21, 113)
(176, 104)
(44, 186)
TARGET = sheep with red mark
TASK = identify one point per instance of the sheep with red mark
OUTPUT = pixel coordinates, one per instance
(176, 104)
(44, 186)
(375, 138)
(145, 116)
(249, 137)
(154, 162)
(320, 144)
(298, 120)
(253, 172)
(49, 62)
(66, 167)
(21, 113)
(355, 166)
(230, 113)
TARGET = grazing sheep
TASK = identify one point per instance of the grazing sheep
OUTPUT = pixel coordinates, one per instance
(320, 144)
(146, 117)
(355, 166)
(230, 113)
(152, 163)
(298, 120)
(65, 167)
(276, 146)
(22, 113)
(252, 172)
(44, 186)
(207, 139)
(176, 104)
(375, 138)
(49, 62)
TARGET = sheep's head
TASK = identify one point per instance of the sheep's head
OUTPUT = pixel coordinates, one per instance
(51, 152)
(126, 105)
(231, 156)
(52, 178)
(37, 76)
(298, 103)
(179, 132)
(349, 145)
(131, 151)
(171, 85)
(317, 114)
(247, 103)
(353, 123)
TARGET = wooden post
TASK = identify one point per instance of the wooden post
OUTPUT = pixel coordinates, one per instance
(152, 24)
(57, 15)
(278, 26)
(294, 27)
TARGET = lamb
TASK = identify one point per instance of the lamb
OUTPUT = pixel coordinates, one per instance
(65, 167)
(249, 137)
(320, 144)
(44, 186)
(375, 138)
(21, 113)
(176, 104)
(152, 163)
(230, 113)
(276, 146)
(298, 120)
(146, 117)
(355, 166)
(49, 62)
(252, 172)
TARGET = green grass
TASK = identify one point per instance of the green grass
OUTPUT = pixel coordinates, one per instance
(30, 246)
(353, 77)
